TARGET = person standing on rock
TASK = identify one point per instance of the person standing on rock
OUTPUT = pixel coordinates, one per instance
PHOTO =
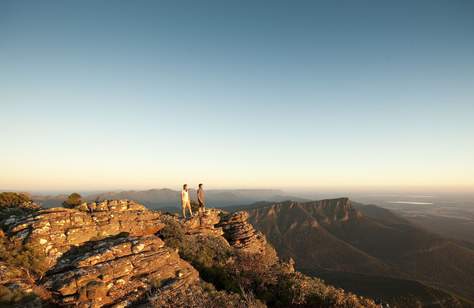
(185, 201)
(201, 198)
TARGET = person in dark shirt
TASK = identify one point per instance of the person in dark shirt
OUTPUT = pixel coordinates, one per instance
(201, 198)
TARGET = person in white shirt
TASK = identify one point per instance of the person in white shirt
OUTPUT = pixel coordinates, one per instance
(185, 201)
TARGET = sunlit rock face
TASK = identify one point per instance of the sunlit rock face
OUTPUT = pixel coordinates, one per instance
(241, 234)
(54, 231)
(204, 223)
(103, 253)
(117, 271)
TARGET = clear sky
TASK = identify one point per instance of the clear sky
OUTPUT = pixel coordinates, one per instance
(142, 94)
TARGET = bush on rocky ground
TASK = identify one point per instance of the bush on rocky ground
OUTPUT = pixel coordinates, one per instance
(24, 257)
(210, 255)
(13, 199)
(202, 295)
(15, 297)
(15, 204)
(72, 200)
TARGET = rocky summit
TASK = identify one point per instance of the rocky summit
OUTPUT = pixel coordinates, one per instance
(117, 253)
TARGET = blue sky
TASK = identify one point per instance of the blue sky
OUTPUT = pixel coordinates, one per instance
(117, 94)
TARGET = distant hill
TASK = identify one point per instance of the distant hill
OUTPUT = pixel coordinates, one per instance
(337, 235)
(168, 198)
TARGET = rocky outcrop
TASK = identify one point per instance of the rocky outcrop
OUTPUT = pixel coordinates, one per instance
(54, 231)
(204, 223)
(104, 253)
(118, 271)
(241, 234)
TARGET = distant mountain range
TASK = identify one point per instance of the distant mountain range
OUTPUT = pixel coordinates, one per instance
(168, 198)
(356, 245)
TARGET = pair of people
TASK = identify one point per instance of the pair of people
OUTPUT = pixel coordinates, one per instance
(186, 201)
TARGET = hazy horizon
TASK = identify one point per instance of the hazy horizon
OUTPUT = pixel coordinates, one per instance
(303, 192)
(317, 95)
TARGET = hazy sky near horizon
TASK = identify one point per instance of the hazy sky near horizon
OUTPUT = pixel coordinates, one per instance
(141, 94)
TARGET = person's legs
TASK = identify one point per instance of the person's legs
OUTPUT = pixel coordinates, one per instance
(188, 205)
(183, 206)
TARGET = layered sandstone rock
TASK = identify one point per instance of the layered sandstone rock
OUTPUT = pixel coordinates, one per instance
(118, 271)
(54, 231)
(204, 223)
(102, 253)
(241, 234)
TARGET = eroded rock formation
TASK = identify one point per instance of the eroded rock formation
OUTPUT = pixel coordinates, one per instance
(118, 271)
(54, 231)
(241, 234)
(204, 223)
(103, 253)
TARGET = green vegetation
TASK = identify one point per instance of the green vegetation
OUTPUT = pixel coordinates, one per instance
(13, 199)
(22, 265)
(15, 297)
(296, 289)
(208, 254)
(15, 204)
(207, 251)
(73, 200)
(25, 257)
